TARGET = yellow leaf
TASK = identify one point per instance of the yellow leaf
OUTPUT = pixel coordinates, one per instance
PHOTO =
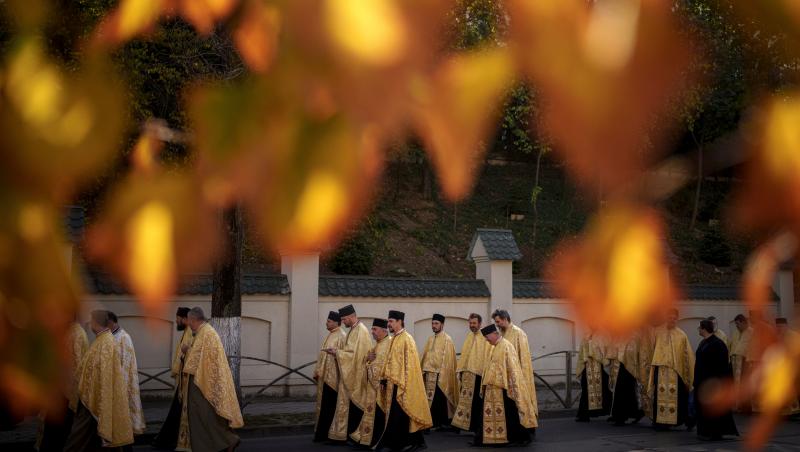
(321, 205)
(370, 30)
(135, 16)
(152, 264)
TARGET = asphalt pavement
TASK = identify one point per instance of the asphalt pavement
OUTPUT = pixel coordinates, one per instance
(563, 434)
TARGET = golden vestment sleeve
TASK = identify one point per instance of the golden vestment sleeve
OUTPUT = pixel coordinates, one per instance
(629, 357)
(673, 350)
(403, 370)
(79, 344)
(503, 371)
(473, 354)
(440, 357)
(206, 360)
(186, 339)
(352, 363)
(325, 370)
(101, 389)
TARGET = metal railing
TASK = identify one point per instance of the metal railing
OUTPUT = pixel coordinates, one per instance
(245, 400)
(567, 401)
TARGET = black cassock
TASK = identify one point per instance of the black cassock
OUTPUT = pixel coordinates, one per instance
(712, 366)
(327, 410)
(626, 400)
(439, 413)
(396, 436)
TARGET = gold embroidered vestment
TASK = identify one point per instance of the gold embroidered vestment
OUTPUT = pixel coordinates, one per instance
(439, 369)
(366, 429)
(674, 357)
(474, 354)
(402, 370)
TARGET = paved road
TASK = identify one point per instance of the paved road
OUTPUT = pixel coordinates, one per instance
(563, 434)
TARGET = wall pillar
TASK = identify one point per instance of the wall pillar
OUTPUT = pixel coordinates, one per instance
(302, 272)
(498, 278)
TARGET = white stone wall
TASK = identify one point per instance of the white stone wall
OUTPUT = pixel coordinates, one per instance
(549, 323)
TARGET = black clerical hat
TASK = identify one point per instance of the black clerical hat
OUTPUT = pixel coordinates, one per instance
(781, 321)
(487, 330)
(182, 312)
(333, 315)
(397, 315)
(380, 323)
(347, 310)
(438, 317)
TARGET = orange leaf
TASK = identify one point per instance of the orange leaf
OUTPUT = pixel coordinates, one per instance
(457, 112)
(256, 35)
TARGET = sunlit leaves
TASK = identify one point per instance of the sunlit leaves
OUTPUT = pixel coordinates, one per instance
(371, 30)
(616, 273)
(458, 110)
(149, 233)
(770, 196)
(73, 120)
(604, 71)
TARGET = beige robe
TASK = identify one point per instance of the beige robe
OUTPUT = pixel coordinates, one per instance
(366, 429)
(130, 372)
(326, 373)
(474, 354)
(517, 337)
(503, 371)
(439, 369)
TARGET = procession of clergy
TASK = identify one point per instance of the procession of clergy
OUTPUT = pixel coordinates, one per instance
(383, 396)
(104, 408)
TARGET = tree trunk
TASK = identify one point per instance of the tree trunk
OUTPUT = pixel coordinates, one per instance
(226, 297)
(534, 203)
(427, 181)
(698, 190)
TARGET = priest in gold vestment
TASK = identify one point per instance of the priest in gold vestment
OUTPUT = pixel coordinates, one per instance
(102, 418)
(626, 403)
(439, 373)
(374, 419)
(351, 361)
(671, 374)
(167, 438)
(738, 349)
(646, 342)
(595, 393)
(517, 337)
(210, 409)
(470, 367)
(55, 427)
(403, 392)
(508, 414)
(130, 371)
(326, 375)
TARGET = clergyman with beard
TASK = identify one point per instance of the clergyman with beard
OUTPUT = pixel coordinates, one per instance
(167, 438)
(469, 372)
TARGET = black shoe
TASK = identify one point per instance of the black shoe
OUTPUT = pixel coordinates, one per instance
(639, 417)
(415, 448)
(581, 419)
(610, 419)
(619, 423)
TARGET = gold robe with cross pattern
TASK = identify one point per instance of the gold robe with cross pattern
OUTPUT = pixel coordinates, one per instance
(351, 360)
(504, 372)
(673, 357)
(591, 360)
(474, 354)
